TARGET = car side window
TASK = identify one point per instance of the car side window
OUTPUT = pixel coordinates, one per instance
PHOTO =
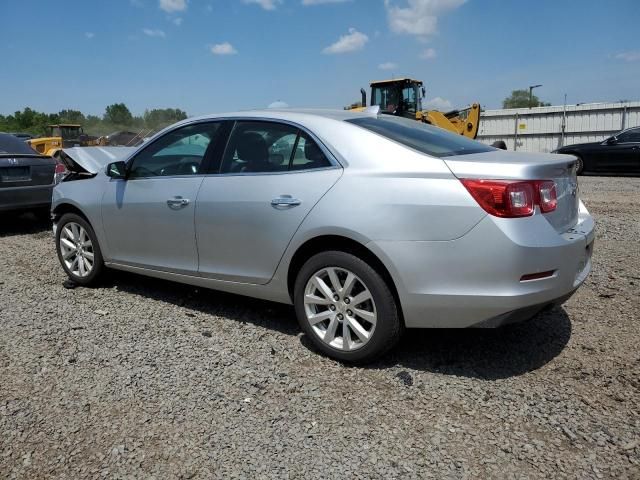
(308, 155)
(256, 147)
(630, 136)
(261, 147)
(178, 152)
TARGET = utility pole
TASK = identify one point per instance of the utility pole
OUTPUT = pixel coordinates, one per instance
(531, 87)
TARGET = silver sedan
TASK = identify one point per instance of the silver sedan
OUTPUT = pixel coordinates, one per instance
(367, 223)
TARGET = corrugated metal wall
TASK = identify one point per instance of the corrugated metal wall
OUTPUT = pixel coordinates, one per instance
(540, 129)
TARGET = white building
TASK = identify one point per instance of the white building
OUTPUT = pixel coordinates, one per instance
(543, 129)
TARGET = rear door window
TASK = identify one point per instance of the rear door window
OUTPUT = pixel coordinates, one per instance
(270, 147)
(420, 136)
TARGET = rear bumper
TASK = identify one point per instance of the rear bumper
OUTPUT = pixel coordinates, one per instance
(21, 198)
(476, 279)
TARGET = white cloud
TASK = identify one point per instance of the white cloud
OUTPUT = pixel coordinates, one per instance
(428, 54)
(629, 56)
(307, 3)
(419, 17)
(438, 103)
(351, 42)
(388, 66)
(278, 104)
(171, 6)
(89, 35)
(223, 49)
(266, 4)
(177, 21)
(151, 32)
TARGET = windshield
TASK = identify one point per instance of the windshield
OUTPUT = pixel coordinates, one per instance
(65, 132)
(387, 98)
(421, 137)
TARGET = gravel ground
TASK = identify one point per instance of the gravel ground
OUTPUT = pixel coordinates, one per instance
(145, 378)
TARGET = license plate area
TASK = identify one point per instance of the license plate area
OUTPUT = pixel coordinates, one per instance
(15, 174)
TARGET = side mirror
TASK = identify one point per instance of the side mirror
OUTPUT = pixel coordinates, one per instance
(117, 170)
(612, 141)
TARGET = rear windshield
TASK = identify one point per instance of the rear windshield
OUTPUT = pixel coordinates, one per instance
(421, 136)
(11, 144)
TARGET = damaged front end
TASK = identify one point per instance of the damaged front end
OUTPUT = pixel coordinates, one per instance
(87, 162)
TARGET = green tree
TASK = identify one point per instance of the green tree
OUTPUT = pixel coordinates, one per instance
(71, 116)
(520, 99)
(161, 117)
(118, 114)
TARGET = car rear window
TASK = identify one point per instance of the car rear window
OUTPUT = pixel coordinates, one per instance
(421, 136)
(11, 144)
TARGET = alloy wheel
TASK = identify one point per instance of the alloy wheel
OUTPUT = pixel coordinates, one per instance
(340, 308)
(76, 249)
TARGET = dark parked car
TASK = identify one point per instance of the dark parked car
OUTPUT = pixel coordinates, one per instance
(26, 177)
(125, 138)
(617, 154)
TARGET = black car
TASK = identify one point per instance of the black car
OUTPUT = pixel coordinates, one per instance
(617, 154)
(27, 178)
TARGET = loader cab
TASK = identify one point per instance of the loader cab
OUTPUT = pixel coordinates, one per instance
(70, 134)
(401, 97)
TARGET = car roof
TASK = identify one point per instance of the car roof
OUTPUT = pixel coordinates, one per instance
(292, 114)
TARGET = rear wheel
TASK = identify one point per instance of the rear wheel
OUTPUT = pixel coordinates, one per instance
(346, 308)
(78, 249)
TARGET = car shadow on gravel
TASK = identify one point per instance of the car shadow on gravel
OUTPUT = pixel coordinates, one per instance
(488, 354)
(22, 224)
(271, 315)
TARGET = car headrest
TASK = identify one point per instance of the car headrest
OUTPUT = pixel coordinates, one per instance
(251, 147)
(312, 151)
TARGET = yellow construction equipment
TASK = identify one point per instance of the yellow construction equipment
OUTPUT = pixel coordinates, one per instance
(403, 97)
(62, 136)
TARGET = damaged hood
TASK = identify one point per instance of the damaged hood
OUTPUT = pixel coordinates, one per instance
(94, 159)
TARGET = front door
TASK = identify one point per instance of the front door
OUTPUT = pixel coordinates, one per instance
(271, 177)
(148, 218)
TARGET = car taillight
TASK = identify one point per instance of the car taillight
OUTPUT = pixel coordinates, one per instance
(512, 198)
(547, 195)
(59, 172)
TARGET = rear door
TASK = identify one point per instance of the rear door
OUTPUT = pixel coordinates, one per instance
(271, 176)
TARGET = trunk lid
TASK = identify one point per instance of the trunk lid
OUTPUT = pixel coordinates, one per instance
(26, 170)
(504, 165)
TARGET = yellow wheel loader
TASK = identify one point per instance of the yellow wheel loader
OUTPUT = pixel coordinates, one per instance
(62, 136)
(403, 97)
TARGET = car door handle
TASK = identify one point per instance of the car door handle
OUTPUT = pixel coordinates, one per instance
(178, 202)
(285, 201)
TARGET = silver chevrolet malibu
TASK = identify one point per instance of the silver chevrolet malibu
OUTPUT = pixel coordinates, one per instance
(367, 223)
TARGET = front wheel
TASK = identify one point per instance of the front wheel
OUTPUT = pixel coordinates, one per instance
(579, 165)
(78, 249)
(346, 308)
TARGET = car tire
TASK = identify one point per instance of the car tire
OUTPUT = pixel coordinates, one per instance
(373, 325)
(77, 247)
(579, 165)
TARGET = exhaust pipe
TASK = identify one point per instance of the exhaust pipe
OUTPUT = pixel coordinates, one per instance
(364, 97)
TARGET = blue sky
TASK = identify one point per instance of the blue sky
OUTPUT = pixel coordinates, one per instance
(222, 55)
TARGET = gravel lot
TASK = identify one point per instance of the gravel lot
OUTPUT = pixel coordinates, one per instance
(145, 378)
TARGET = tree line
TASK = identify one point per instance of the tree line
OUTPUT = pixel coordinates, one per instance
(116, 117)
